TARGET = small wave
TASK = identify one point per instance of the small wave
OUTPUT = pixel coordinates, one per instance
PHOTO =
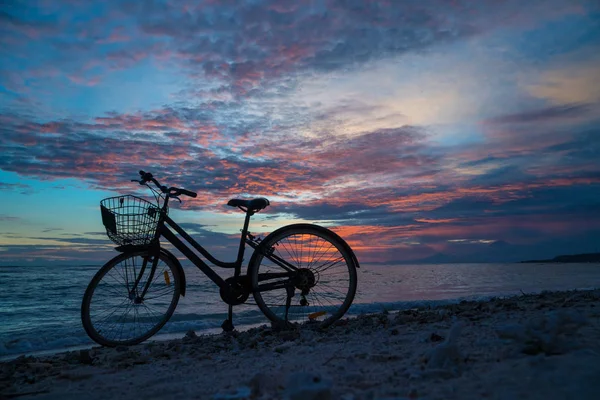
(33, 343)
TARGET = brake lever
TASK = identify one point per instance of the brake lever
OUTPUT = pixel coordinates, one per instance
(175, 197)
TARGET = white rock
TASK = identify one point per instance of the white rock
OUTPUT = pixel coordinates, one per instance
(263, 383)
(547, 334)
(308, 386)
(446, 354)
(191, 334)
(511, 331)
(241, 393)
(391, 319)
(282, 348)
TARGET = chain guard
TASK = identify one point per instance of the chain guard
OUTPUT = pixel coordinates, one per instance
(237, 290)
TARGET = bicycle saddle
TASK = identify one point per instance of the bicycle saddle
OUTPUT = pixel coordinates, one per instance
(252, 205)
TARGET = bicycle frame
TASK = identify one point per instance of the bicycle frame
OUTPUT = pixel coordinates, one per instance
(163, 231)
(166, 233)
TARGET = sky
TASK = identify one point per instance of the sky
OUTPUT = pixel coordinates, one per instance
(418, 130)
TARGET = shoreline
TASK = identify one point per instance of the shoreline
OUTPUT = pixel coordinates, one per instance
(371, 309)
(543, 346)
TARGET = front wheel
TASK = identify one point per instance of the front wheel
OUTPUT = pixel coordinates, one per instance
(303, 273)
(126, 302)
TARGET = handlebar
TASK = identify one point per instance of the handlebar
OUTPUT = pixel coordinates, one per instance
(171, 192)
(187, 192)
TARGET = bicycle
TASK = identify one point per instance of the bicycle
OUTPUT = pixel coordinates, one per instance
(292, 274)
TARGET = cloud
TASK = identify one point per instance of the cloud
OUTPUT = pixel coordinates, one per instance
(363, 116)
(570, 82)
(244, 44)
(28, 28)
(369, 177)
(14, 186)
(188, 146)
(51, 230)
(9, 218)
(548, 114)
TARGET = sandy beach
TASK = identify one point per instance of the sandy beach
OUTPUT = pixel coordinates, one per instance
(534, 346)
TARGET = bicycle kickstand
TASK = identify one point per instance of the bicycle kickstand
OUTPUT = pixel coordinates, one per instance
(288, 301)
(228, 323)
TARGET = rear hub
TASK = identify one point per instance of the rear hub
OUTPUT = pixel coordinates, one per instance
(305, 279)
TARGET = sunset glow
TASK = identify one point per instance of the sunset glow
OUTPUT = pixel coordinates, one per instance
(409, 128)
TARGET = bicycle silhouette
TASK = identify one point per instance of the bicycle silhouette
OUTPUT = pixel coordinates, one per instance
(300, 273)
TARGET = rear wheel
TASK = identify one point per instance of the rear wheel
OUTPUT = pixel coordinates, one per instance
(115, 311)
(324, 277)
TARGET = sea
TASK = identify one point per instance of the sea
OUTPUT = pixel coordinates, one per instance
(40, 305)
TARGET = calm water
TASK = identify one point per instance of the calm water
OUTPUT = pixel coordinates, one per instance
(39, 306)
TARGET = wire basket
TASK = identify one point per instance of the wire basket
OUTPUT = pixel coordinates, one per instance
(130, 220)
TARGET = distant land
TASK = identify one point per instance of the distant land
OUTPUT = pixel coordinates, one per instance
(575, 258)
(501, 251)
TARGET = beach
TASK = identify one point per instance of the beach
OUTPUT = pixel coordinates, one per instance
(531, 346)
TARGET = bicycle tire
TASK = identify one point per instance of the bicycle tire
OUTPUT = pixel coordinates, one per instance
(307, 257)
(165, 286)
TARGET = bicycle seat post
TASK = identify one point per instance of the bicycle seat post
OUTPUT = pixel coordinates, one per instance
(228, 323)
(242, 247)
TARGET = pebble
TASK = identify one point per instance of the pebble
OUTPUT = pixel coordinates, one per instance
(262, 383)
(76, 375)
(308, 386)
(547, 334)
(282, 348)
(384, 357)
(511, 331)
(434, 337)
(191, 334)
(85, 357)
(39, 366)
(241, 393)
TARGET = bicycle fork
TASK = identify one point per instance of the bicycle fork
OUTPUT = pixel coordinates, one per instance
(134, 292)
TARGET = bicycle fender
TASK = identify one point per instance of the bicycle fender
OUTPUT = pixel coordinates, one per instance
(177, 265)
(346, 245)
(342, 241)
(255, 253)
